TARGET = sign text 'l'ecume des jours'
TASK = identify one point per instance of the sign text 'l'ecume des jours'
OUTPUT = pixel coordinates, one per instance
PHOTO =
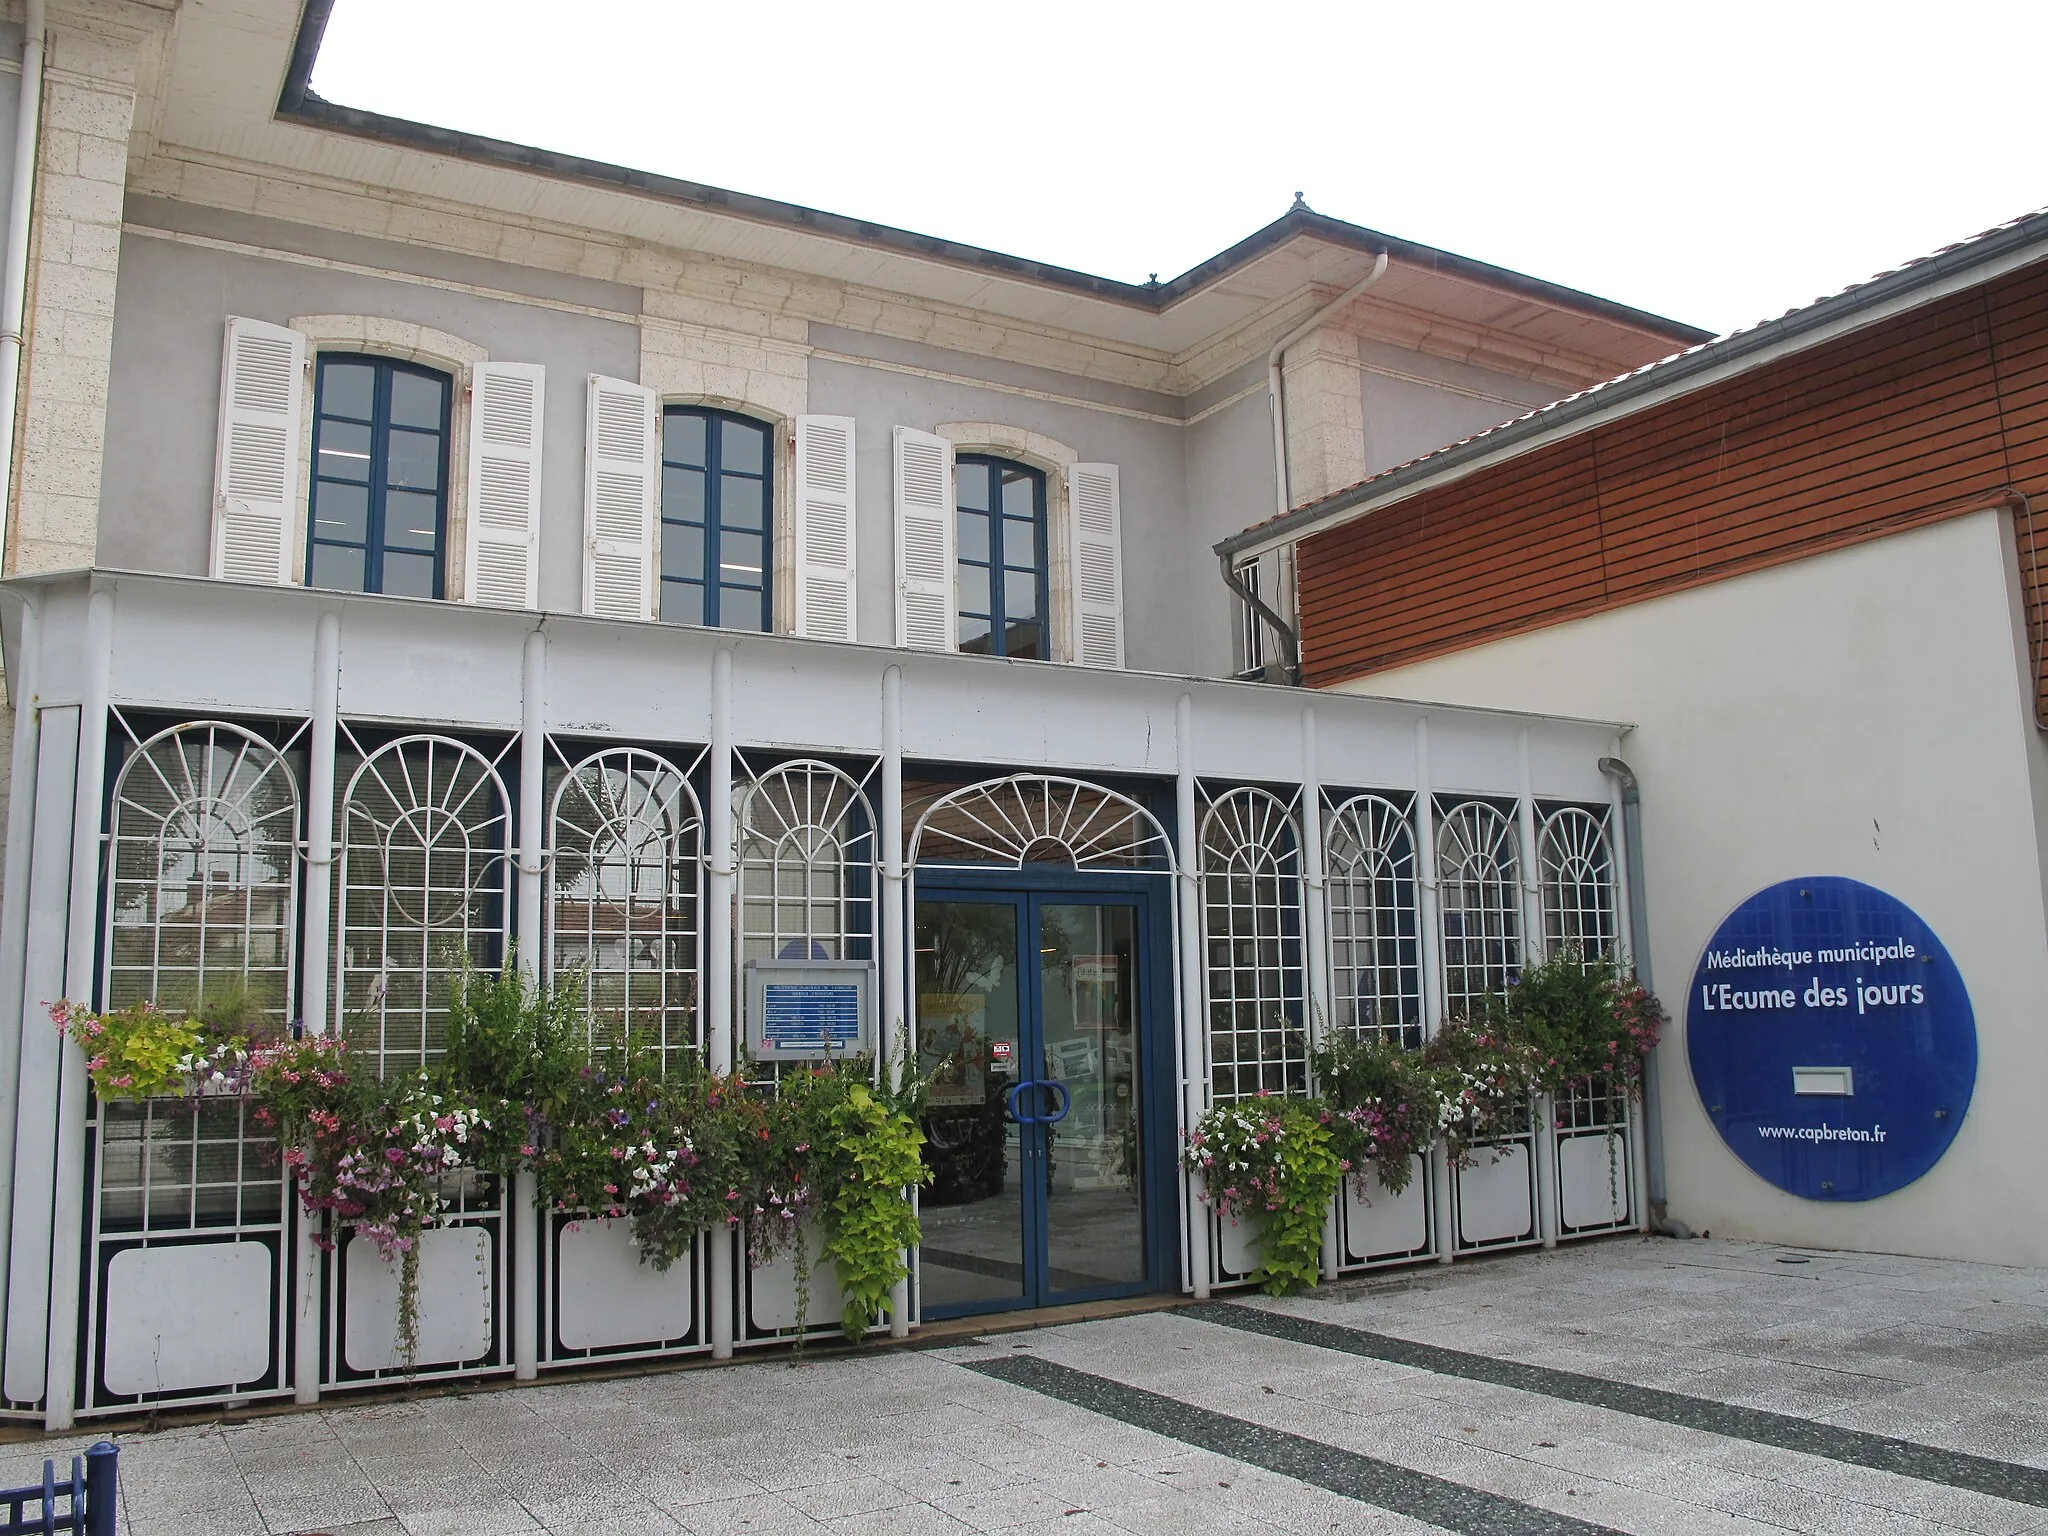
(1831, 1039)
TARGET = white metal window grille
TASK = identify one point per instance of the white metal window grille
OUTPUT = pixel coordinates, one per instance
(423, 876)
(1251, 927)
(203, 892)
(1479, 895)
(807, 864)
(1375, 949)
(1251, 629)
(1040, 819)
(623, 896)
(1578, 882)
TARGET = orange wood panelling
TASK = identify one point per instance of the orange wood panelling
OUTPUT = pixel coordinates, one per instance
(1940, 411)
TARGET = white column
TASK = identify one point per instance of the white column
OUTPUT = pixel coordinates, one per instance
(314, 962)
(80, 954)
(1194, 1014)
(1534, 949)
(1315, 932)
(1429, 942)
(526, 1215)
(21, 817)
(718, 963)
(895, 1018)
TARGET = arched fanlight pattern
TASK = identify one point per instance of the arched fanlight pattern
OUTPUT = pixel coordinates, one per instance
(202, 901)
(423, 879)
(1251, 929)
(1577, 867)
(807, 865)
(1375, 949)
(1041, 819)
(623, 896)
(203, 891)
(1479, 885)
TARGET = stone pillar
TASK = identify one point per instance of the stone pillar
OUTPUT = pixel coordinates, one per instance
(1325, 415)
(74, 255)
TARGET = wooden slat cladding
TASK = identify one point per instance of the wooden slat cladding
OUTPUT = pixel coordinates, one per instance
(1937, 412)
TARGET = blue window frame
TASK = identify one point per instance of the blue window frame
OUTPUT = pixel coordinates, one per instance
(1002, 559)
(379, 513)
(717, 491)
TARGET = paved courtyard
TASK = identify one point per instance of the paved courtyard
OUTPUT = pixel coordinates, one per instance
(1627, 1385)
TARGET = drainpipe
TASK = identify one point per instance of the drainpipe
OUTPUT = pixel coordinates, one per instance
(1277, 399)
(1639, 931)
(14, 270)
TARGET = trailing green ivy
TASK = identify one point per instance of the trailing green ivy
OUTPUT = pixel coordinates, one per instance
(1275, 1160)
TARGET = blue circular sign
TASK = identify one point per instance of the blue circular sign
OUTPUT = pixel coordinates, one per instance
(1831, 1039)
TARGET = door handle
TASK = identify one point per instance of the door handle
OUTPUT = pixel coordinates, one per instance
(1010, 1102)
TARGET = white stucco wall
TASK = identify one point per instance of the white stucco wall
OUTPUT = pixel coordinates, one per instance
(1862, 713)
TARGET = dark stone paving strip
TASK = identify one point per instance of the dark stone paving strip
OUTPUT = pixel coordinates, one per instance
(1882, 1453)
(1434, 1500)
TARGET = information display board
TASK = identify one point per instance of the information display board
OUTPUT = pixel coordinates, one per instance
(809, 1010)
(1831, 1039)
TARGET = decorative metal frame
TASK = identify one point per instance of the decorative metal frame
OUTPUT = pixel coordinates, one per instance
(1251, 887)
(434, 810)
(1035, 819)
(625, 894)
(1576, 861)
(1479, 900)
(1375, 919)
(806, 846)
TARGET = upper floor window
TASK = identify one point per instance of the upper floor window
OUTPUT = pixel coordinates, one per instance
(380, 477)
(716, 493)
(1002, 557)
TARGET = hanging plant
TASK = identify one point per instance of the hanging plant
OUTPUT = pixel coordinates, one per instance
(1483, 1073)
(1585, 1018)
(142, 1052)
(1385, 1106)
(1276, 1161)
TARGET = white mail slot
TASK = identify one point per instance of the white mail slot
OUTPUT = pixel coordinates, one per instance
(1837, 1082)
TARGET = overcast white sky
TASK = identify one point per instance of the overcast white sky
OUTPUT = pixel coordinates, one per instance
(1714, 162)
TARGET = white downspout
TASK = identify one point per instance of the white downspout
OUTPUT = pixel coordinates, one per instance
(14, 272)
(1274, 390)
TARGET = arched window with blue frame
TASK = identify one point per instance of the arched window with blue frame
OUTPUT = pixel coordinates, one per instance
(717, 496)
(1001, 571)
(379, 515)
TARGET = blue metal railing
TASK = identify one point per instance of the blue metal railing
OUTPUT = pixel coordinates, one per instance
(90, 1492)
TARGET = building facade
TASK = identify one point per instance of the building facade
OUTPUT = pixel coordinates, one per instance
(424, 550)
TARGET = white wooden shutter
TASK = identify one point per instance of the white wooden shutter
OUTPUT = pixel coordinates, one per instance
(927, 611)
(503, 558)
(621, 487)
(824, 527)
(1098, 565)
(256, 468)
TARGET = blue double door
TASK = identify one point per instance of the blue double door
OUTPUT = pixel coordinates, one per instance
(1049, 1133)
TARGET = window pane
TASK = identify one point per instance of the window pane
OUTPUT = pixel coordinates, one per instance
(347, 389)
(682, 551)
(411, 519)
(407, 575)
(682, 494)
(341, 512)
(416, 400)
(1020, 595)
(973, 589)
(741, 446)
(974, 634)
(971, 484)
(682, 439)
(414, 459)
(1020, 544)
(973, 536)
(682, 602)
(740, 610)
(337, 568)
(739, 502)
(739, 558)
(1020, 493)
(344, 450)
(1022, 640)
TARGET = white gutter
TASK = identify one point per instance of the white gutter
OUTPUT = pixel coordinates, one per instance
(14, 271)
(1274, 388)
